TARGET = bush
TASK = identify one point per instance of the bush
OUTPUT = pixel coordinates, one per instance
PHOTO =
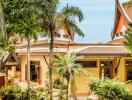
(110, 89)
(58, 85)
(14, 92)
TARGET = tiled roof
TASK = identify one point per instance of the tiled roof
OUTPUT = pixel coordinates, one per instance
(38, 42)
(116, 41)
(104, 50)
(40, 50)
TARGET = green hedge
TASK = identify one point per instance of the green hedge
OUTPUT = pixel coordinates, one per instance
(110, 89)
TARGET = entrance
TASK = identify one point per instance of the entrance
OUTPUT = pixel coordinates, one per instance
(35, 71)
(106, 69)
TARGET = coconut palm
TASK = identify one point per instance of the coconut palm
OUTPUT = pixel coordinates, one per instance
(128, 38)
(53, 20)
(65, 65)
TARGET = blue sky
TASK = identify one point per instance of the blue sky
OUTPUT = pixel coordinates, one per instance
(99, 19)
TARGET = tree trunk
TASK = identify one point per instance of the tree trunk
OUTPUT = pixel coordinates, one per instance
(6, 75)
(62, 81)
(68, 45)
(67, 95)
(28, 67)
(50, 62)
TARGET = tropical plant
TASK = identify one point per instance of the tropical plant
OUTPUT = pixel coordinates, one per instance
(65, 65)
(52, 21)
(5, 44)
(58, 84)
(110, 89)
(128, 38)
(15, 92)
(21, 20)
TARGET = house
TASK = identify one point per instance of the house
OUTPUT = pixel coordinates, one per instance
(109, 59)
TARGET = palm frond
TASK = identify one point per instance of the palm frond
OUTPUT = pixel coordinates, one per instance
(128, 38)
(73, 12)
(73, 28)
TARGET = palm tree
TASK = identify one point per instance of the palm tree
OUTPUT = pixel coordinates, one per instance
(65, 65)
(128, 38)
(53, 20)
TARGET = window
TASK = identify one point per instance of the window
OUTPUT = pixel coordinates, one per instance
(123, 29)
(129, 70)
(65, 36)
(34, 71)
(34, 63)
(88, 63)
(18, 68)
(121, 34)
(9, 67)
(117, 34)
(57, 35)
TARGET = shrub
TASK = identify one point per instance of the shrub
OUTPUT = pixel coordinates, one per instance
(110, 89)
(59, 85)
(14, 92)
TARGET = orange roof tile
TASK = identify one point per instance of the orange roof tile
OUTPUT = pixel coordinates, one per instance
(38, 42)
(105, 50)
(116, 41)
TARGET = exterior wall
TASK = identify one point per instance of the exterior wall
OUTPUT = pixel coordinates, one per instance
(43, 67)
(82, 80)
(122, 74)
(121, 70)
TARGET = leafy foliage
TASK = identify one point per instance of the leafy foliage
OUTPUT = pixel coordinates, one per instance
(54, 19)
(59, 85)
(110, 89)
(14, 92)
(4, 44)
(66, 67)
(128, 38)
(20, 18)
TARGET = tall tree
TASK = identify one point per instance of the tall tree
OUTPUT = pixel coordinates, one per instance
(128, 38)
(21, 20)
(5, 44)
(52, 20)
(65, 65)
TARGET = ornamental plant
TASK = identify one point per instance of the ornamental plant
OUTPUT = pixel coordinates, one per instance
(15, 92)
(110, 89)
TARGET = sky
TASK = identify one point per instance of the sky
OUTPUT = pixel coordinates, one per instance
(99, 19)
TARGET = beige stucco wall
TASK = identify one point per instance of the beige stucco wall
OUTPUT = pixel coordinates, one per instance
(122, 69)
(43, 67)
(82, 80)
